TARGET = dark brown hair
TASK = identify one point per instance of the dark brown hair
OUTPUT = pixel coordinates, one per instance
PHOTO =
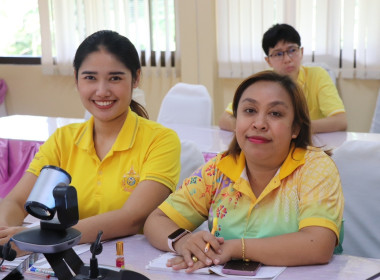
(301, 111)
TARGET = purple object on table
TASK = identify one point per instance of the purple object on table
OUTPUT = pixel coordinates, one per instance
(3, 90)
(15, 156)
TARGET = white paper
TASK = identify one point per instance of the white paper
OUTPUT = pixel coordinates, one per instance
(160, 264)
(265, 272)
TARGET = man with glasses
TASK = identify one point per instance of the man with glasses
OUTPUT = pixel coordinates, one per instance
(282, 46)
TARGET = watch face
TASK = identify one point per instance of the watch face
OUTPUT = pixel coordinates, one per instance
(176, 233)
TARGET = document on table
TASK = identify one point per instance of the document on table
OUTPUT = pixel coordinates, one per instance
(26, 262)
(265, 272)
(42, 266)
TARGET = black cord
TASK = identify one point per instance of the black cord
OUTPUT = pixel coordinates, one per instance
(7, 253)
(96, 247)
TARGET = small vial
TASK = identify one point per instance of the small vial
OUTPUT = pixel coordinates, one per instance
(120, 254)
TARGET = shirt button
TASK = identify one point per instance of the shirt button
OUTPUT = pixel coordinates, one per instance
(100, 172)
(99, 183)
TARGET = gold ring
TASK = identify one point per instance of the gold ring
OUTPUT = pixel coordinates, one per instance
(194, 258)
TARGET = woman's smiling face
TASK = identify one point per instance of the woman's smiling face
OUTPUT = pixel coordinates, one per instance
(264, 122)
(105, 86)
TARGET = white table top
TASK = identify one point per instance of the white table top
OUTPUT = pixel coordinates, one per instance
(138, 252)
(208, 139)
(39, 128)
(31, 128)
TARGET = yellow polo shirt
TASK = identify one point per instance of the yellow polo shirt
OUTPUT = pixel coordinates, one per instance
(322, 97)
(143, 150)
(306, 191)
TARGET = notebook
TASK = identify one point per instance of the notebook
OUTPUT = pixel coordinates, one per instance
(265, 272)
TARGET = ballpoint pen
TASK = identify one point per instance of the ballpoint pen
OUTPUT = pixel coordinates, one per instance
(214, 226)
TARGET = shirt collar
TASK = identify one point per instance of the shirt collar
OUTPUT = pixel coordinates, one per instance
(235, 168)
(124, 140)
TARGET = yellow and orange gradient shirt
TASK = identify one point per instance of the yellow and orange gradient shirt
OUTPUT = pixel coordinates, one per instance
(306, 191)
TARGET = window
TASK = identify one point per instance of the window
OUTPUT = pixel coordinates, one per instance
(149, 24)
(20, 32)
(341, 33)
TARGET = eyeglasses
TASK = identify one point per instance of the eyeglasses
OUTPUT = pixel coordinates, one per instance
(279, 55)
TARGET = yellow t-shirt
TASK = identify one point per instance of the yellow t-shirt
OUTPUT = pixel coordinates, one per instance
(306, 191)
(143, 150)
(321, 94)
(322, 97)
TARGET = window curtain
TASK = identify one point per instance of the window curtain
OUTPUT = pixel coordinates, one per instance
(341, 33)
(65, 24)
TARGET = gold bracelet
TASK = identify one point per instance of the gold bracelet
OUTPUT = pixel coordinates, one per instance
(243, 249)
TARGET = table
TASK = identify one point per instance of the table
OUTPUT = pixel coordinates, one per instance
(20, 138)
(210, 140)
(31, 128)
(138, 252)
(22, 135)
(333, 140)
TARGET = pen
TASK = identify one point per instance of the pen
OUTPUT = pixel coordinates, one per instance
(5, 268)
(214, 226)
(43, 271)
(38, 274)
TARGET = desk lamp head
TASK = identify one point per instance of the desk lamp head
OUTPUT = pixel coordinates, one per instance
(51, 193)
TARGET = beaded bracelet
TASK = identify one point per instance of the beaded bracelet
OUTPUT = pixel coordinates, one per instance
(243, 249)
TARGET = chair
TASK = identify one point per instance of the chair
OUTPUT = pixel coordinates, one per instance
(3, 91)
(186, 104)
(358, 164)
(3, 110)
(324, 66)
(191, 159)
(375, 125)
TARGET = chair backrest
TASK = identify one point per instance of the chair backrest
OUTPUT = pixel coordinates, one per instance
(358, 163)
(324, 66)
(3, 110)
(186, 104)
(191, 159)
(375, 125)
(3, 91)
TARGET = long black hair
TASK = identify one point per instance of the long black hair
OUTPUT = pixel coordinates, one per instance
(119, 46)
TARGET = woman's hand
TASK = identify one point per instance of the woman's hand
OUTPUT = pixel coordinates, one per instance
(6, 233)
(193, 245)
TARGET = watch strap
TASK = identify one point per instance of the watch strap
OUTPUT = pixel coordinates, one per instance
(179, 236)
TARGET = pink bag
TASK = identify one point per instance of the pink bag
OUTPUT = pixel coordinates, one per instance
(3, 90)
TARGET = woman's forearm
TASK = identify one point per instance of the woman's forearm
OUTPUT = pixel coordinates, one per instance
(311, 245)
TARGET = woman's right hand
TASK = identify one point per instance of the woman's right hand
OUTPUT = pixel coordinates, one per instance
(193, 245)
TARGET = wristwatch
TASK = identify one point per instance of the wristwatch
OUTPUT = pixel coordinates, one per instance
(176, 235)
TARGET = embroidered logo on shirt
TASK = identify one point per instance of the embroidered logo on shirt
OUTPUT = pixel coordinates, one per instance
(130, 180)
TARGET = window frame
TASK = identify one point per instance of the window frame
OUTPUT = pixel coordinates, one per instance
(152, 62)
(25, 60)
